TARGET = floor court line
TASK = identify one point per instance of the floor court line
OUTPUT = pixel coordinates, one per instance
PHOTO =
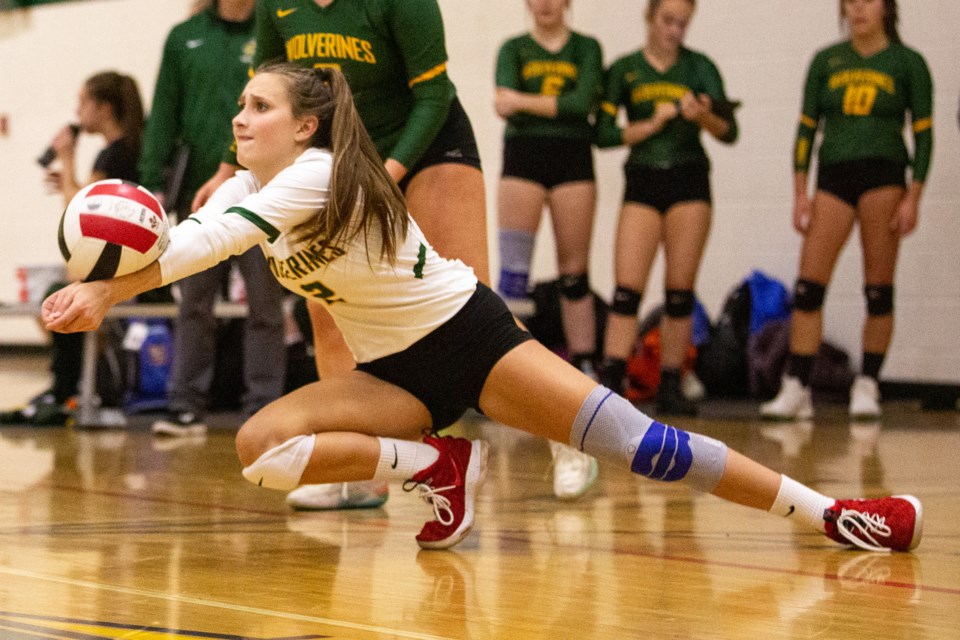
(20, 573)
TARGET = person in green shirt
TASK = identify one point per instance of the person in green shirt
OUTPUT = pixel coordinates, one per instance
(670, 93)
(858, 93)
(548, 87)
(202, 71)
(393, 54)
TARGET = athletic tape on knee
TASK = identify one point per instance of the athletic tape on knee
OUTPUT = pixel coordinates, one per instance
(575, 287)
(607, 425)
(516, 251)
(879, 299)
(282, 466)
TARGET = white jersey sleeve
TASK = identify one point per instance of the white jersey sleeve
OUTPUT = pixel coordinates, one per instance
(380, 307)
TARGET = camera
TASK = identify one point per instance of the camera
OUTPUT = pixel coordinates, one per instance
(50, 154)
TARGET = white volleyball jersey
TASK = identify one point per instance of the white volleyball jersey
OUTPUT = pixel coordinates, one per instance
(380, 308)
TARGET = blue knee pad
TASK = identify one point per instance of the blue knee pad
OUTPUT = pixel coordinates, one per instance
(607, 425)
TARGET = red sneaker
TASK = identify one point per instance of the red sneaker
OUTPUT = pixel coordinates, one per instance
(885, 524)
(450, 485)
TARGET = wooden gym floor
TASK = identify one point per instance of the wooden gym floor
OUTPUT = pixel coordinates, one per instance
(115, 534)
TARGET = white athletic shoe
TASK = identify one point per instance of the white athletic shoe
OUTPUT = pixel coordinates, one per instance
(792, 403)
(864, 398)
(692, 387)
(367, 494)
(573, 472)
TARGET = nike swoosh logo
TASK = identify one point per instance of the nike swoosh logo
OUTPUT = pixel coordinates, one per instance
(283, 13)
(395, 458)
(193, 44)
(790, 511)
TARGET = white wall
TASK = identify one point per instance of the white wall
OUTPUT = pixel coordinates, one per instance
(762, 49)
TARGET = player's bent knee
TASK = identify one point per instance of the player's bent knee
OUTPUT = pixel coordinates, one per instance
(281, 467)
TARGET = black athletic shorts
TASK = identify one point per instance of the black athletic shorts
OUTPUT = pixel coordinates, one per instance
(850, 180)
(663, 188)
(446, 369)
(548, 161)
(455, 143)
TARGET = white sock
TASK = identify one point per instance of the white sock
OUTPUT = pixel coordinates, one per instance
(798, 501)
(402, 459)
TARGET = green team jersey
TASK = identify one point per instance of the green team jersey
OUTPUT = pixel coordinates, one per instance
(633, 83)
(572, 74)
(202, 72)
(862, 104)
(392, 53)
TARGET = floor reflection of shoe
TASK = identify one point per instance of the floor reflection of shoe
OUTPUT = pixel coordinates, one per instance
(574, 472)
(450, 486)
(858, 571)
(884, 524)
(368, 494)
(792, 436)
(178, 424)
(864, 399)
(864, 437)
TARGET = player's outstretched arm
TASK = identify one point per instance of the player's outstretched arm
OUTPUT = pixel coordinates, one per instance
(82, 306)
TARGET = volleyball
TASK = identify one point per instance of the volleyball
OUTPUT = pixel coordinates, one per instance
(111, 228)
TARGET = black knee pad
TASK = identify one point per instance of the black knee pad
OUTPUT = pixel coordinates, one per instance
(879, 299)
(626, 301)
(574, 287)
(808, 295)
(679, 303)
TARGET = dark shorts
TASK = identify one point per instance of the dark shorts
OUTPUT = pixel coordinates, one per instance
(850, 180)
(447, 368)
(663, 188)
(455, 143)
(548, 161)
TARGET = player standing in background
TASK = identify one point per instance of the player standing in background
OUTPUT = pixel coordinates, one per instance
(202, 71)
(548, 87)
(670, 94)
(394, 56)
(858, 92)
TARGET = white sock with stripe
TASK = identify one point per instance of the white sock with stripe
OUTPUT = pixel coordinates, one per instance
(402, 459)
(800, 502)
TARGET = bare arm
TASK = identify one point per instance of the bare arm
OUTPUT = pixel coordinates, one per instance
(82, 306)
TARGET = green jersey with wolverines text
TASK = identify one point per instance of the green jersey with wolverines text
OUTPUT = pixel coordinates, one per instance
(861, 103)
(632, 82)
(572, 74)
(392, 53)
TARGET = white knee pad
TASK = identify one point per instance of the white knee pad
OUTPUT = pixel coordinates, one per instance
(282, 466)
